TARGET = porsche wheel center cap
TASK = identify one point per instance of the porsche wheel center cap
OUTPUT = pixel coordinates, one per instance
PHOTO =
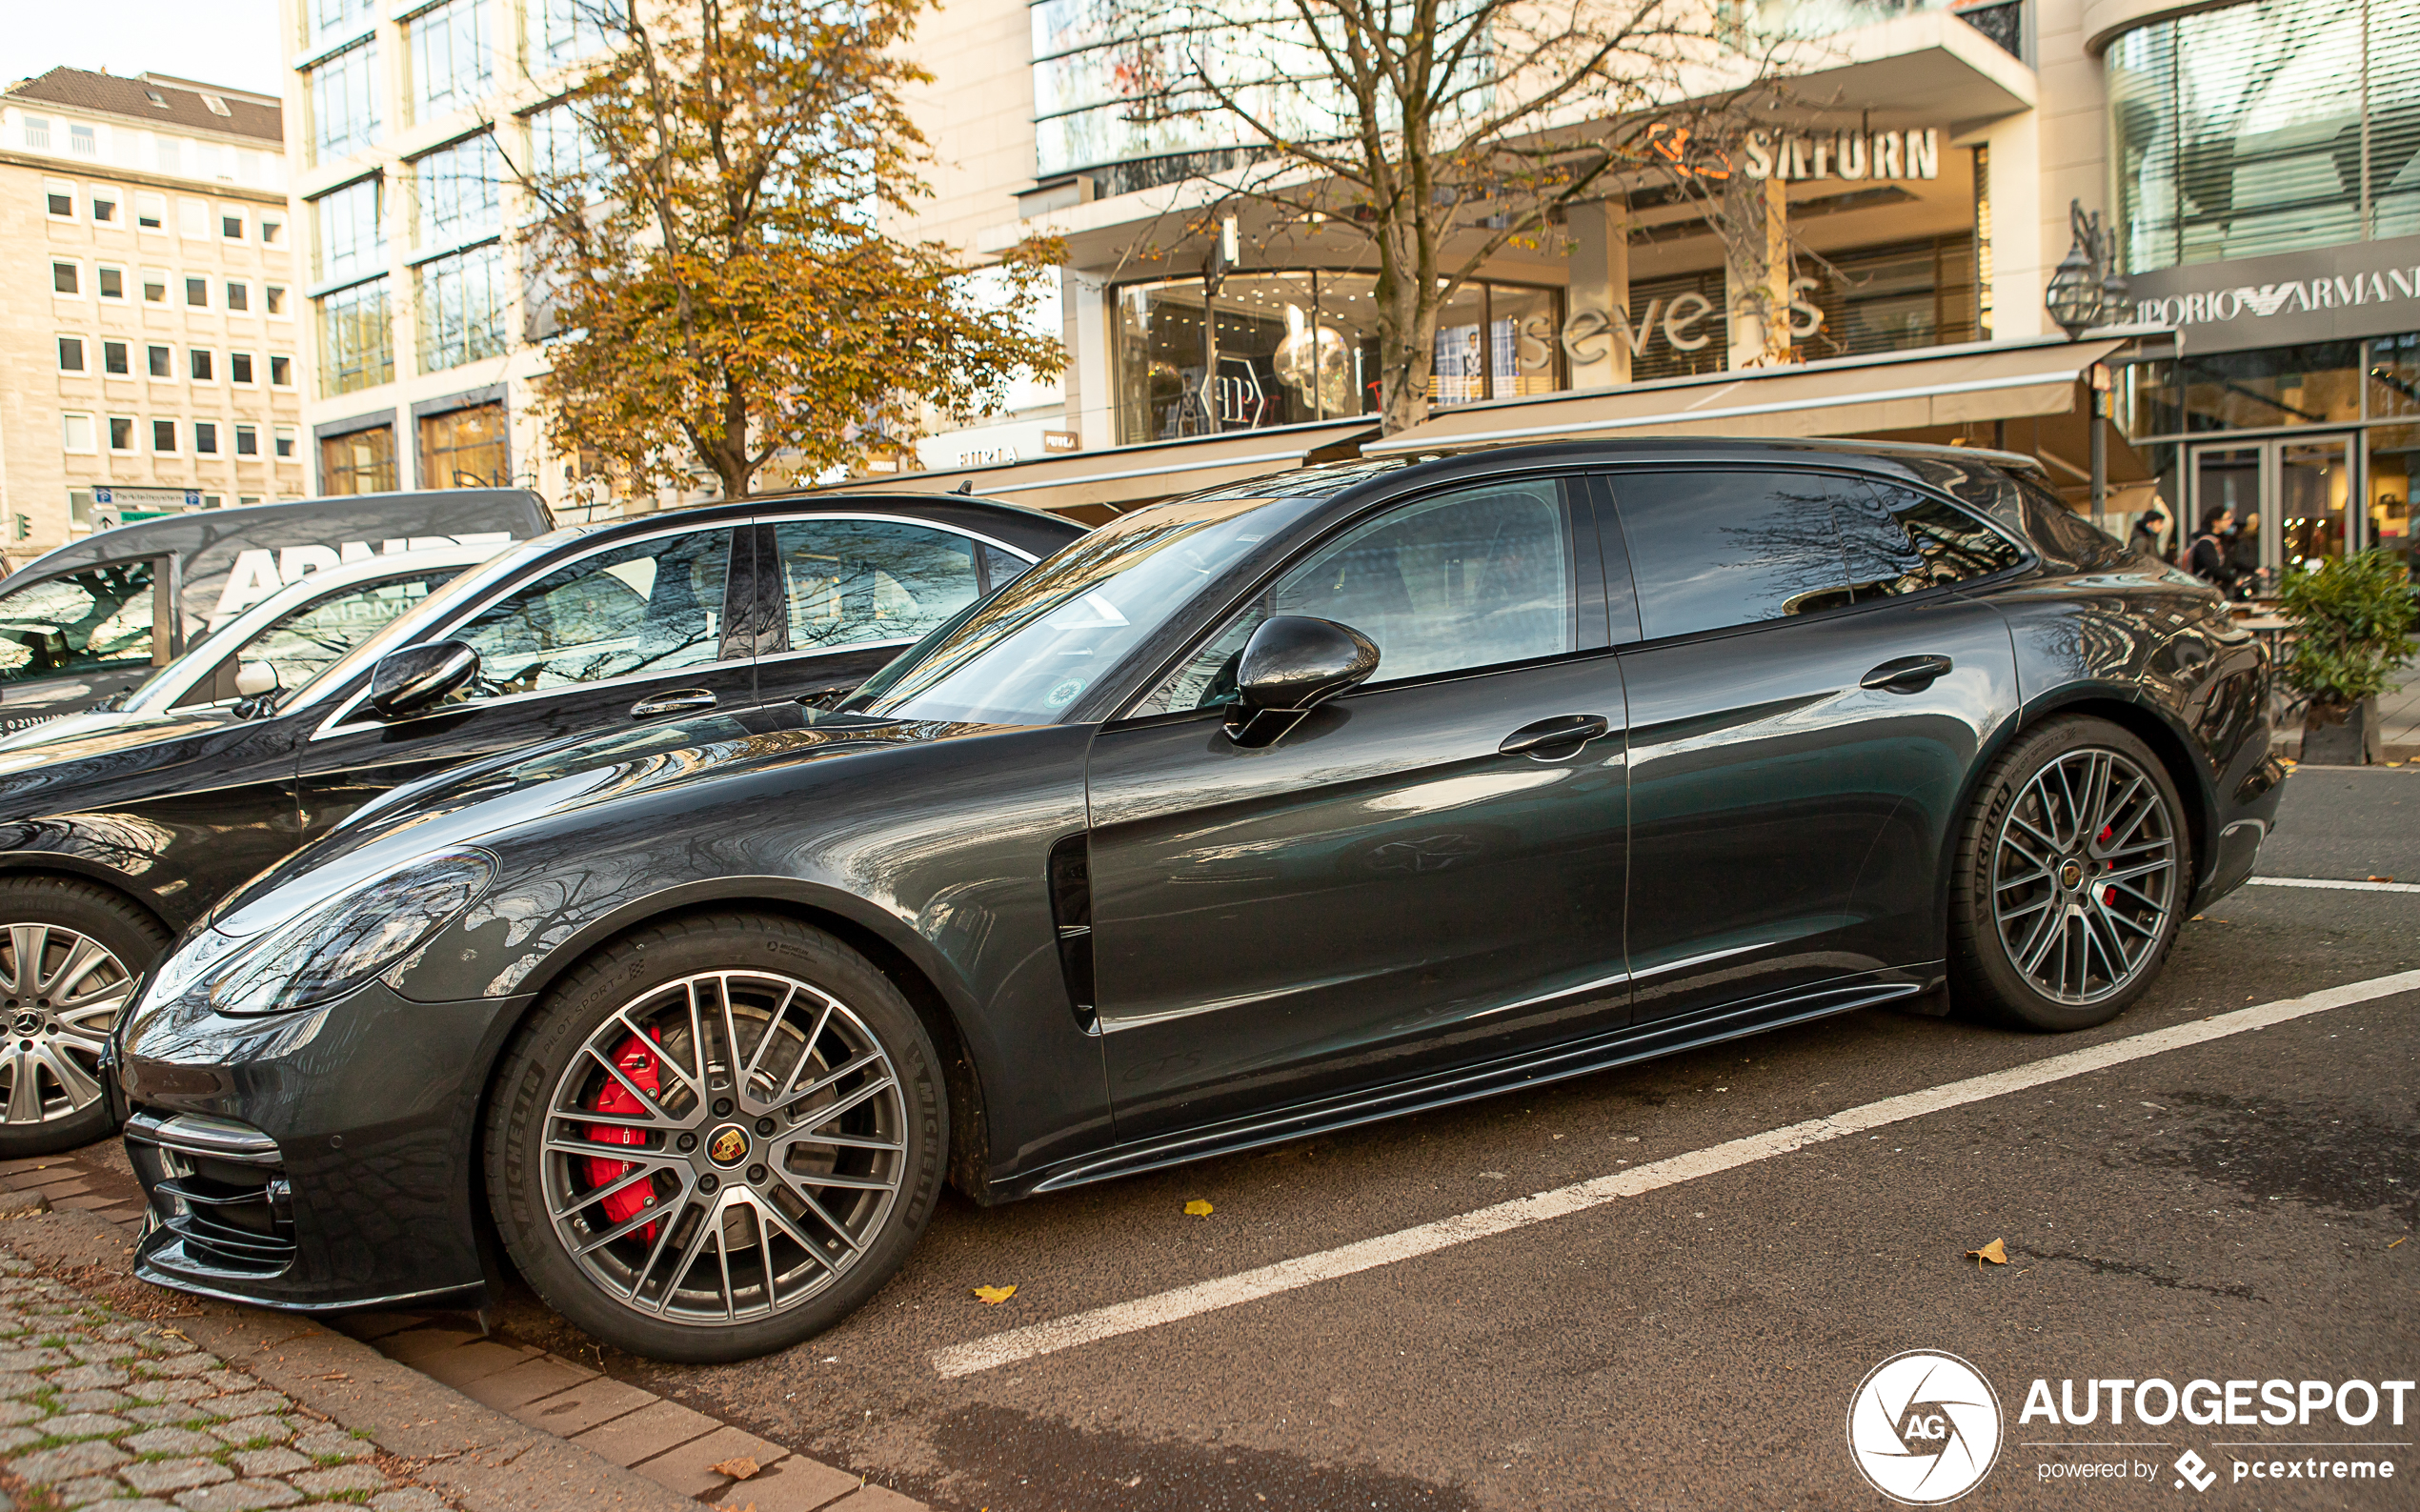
(727, 1145)
(2071, 875)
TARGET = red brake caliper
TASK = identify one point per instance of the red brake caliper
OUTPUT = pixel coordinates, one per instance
(2108, 894)
(636, 1061)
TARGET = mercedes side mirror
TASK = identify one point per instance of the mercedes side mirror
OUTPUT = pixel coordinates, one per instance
(1292, 664)
(252, 679)
(421, 678)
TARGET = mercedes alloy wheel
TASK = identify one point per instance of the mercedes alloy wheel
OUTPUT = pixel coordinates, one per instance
(69, 956)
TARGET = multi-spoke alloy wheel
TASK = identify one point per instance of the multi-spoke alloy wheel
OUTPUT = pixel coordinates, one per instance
(727, 1153)
(69, 954)
(2073, 874)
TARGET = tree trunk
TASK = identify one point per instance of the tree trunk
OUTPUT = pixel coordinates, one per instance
(1408, 304)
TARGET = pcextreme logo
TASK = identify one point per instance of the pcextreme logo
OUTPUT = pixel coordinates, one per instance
(1924, 1428)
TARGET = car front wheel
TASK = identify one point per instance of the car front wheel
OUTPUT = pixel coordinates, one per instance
(716, 1137)
(2073, 872)
(69, 954)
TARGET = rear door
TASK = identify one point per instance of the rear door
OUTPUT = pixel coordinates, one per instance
(77, 637)
(615, 635)
(1809, 694)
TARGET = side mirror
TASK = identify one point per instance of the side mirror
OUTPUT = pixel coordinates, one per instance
(1292, 664)
(252, 679)
(418, 677)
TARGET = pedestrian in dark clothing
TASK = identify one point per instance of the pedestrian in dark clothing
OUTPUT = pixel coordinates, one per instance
(2150, 528)
(2208, 559)
(2243, 552)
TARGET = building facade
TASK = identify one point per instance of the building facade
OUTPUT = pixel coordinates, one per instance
(406, 123)
(152, 313)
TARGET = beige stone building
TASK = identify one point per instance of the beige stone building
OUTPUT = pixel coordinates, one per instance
(150, 309)
(404, 122)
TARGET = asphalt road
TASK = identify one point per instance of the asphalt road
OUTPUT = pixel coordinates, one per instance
(2229, 1210)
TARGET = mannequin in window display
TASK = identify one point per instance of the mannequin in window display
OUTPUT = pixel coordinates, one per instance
(1313, 361)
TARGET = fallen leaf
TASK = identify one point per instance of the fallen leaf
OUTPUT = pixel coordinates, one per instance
(1996, 1252)
(2398, 1242)
(2382, 878)
(740, 1468)
(1197, 1208)
(994, 1296)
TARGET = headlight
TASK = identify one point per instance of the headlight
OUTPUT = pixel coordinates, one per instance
(345, 942)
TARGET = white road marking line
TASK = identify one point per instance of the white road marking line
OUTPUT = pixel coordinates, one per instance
(2328, 881)
(1386, 1249)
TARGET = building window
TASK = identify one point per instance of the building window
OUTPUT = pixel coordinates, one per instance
(281, 373)
(154, 286)
(163, 437)
(84, 141)
(61, 200)
(151, 210)
(75, 433)
(239, 367)
(361, 462)
(331, 20)
(192, 218)
(105, 208)
(113, 358)
(64, 279)
(162, 363)
(239, 295)
(356, 340)
(71, 353)
(205, 438)
(563, 31)
(344, 102)
(351, 240)
(111, 281)
(197, 293)
(464, 448)
(285, 441)
(1915, 293)
(272, 231)
(459, 190)
(200, 360)
(37, 132)
(462, 305)
(168, 155)
(452, 62)
(247, 440)
(230, 227)
(273, 297)
(121, 433)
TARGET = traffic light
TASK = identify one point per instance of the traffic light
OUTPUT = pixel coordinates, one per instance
(25, 527)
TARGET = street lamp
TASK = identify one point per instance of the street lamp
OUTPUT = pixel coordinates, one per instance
(2084, 289)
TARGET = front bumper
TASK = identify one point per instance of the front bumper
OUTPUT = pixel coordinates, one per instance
(318, 1160)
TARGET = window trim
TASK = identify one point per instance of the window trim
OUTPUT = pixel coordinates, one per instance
(75, 267)
(59, 355)
(134, 430)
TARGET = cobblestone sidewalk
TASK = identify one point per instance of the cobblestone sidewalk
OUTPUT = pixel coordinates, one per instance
(101, 1408)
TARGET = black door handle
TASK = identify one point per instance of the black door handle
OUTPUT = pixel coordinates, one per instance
(1549, 739)
(1906, 673)
(681, 701)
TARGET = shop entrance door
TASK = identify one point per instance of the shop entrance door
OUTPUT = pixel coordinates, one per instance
(2290, 495)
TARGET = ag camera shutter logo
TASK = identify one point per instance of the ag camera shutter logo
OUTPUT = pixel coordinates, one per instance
(1923, 1428)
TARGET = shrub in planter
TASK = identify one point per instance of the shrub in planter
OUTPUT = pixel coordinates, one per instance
(2352, 619)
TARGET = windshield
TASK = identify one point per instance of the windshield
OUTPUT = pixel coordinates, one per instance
(1022, 656)
(436, 606)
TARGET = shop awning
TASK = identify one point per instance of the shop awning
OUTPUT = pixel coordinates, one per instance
(1849, 397)
(1094, 486)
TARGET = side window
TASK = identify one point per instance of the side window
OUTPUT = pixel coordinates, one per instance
(649, 607)
(95, 620)
(1900, 541)
(861, 582)
(1712, 550)
(1002, 568)
(1470, 579)
(306, 642)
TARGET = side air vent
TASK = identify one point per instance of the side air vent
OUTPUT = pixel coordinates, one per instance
(1071, 910)
(218, 1190)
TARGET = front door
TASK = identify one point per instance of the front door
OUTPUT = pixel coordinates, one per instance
(2290, 496)
(623, 634)
(1409, 876)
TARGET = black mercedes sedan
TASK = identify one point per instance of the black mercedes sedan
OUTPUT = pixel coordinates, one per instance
(113, 840)
(1272, 810)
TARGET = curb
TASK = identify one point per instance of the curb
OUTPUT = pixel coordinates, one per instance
(498, 1427)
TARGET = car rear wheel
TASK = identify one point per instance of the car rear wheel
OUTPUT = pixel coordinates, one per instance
(716, 1137)
(2073, 875)
(70, 953)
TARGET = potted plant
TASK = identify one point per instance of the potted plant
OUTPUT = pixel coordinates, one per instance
(2351, 619)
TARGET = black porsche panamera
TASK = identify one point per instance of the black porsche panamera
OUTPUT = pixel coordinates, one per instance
(1271, 810)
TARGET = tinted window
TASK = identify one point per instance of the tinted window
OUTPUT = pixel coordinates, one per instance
(1900, 541)
(649, 607)
(93, 620)
(1002, 567)
(1711, 550)
(307, 642)
(1474, 579)
(861, 582)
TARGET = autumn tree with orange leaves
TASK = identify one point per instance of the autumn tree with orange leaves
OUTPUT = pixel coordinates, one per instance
(711, 251)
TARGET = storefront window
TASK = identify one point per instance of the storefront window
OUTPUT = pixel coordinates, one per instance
(2394, 461)
(463, 448)
(1918, 294)
(2319, 384)
(1291, 348)
(358, 462)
